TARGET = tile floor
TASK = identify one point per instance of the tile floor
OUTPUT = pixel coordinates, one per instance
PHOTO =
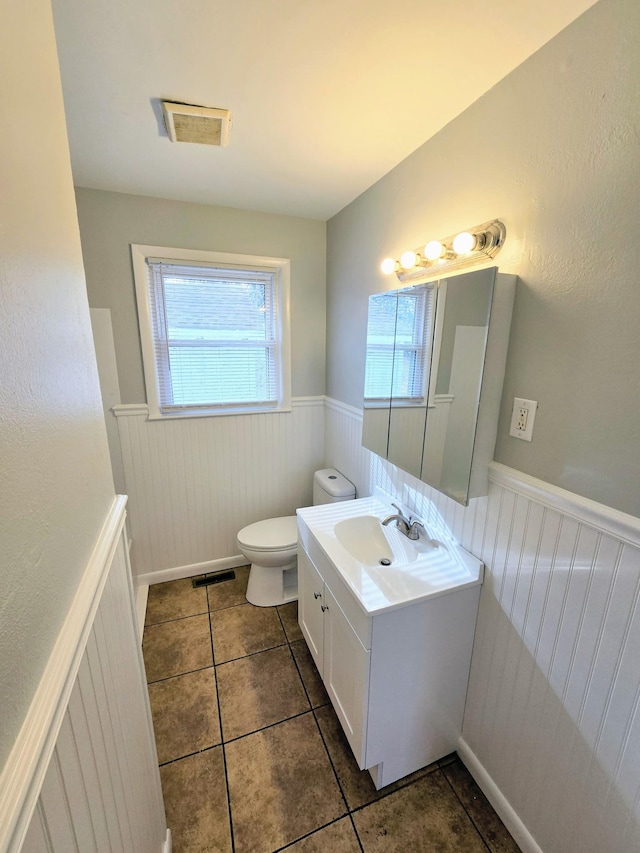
(252, 756)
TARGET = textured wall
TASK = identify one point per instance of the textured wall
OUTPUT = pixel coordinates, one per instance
(553, 151)
(109, 222)
(56, 479)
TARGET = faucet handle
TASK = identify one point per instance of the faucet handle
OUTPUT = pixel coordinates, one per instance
(401, 513)
(414, 533)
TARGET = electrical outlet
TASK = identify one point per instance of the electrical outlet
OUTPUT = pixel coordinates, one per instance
(522, 418)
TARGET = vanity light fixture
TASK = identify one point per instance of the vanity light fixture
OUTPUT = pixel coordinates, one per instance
(457, 251)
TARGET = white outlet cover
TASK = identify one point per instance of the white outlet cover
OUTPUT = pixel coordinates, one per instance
(523, 410)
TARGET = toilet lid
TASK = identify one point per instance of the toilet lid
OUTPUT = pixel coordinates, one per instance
(273, 534)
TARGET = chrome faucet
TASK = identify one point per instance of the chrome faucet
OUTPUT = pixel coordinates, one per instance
(408, 526)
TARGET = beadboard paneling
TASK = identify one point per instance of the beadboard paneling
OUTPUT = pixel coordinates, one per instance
(193, 483)
(92, 783)
(552, 719)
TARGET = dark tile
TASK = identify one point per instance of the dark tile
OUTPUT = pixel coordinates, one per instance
(357, 785)
(229, 593)
(195, 801)
(243, 630)
(339, 837)
(185, 714)
(310, 676)
(488, 823)
(448, 759)
(173, 648)
(424, 816)
(289, 615)
(281, 785)
(174, 600)
(259, 690)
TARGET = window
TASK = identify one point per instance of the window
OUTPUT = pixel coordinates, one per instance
(399, 332)
(214, 331)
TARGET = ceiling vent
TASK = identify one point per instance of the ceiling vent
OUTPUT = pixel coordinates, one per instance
(203, 125)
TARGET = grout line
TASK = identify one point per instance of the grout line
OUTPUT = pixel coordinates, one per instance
(355, 830)
(251, 654)
(178, 674)
(397, 788)
(299, 671)
(269, 726)
(175, 619)
(224, 752)
(190, 754)
(459, 799)
(335, 772)
(290, 844)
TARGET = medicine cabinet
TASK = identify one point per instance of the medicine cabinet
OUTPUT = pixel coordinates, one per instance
(436, 354)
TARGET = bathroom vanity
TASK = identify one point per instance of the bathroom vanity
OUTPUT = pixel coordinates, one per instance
(391, 642)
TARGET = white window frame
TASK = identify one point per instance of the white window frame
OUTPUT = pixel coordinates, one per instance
(280, 267)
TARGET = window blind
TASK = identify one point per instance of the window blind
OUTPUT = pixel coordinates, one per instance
(214, 335)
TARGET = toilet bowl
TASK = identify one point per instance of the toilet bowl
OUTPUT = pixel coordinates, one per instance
(272, 545)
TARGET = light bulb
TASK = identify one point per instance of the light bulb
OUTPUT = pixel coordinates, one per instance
(464, 242)
(408, 260)
(388, 266)
(433, 250)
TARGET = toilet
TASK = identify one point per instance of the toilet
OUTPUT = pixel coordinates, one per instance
(272, 545)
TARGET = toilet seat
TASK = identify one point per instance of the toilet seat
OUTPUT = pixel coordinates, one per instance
(272, 534)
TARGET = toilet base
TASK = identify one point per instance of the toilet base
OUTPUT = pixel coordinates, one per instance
(272, 585)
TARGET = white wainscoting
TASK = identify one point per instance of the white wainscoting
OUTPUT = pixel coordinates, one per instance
(83, 774)
(193, 483)
(552, 721)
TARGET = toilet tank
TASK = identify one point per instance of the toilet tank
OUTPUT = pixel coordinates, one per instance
(330, 486)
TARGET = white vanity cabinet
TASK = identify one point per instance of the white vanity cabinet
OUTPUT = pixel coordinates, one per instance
(341, 658)
(397, 679)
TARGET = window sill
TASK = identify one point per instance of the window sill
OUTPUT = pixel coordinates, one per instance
(124, 410)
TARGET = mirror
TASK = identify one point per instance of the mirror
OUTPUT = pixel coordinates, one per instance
(378, 376)
(399, 339)
(426, 348)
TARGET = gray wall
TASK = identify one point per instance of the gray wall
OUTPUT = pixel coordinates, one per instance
(109, 222)
(56, 481)
(553, 151)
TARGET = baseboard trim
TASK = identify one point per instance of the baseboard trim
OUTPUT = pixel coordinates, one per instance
(189, 571)
(168, 844)
(492, 792)
(604, 518)
(141, 595)
(24, 772)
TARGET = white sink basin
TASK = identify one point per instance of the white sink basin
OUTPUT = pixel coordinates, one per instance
(363, 537)
(372, 544)
(351, 535)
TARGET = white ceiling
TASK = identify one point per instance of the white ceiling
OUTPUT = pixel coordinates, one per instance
(325, 96)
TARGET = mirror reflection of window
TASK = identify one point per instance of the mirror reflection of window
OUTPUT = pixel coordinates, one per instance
(399, 332)
(381, 333)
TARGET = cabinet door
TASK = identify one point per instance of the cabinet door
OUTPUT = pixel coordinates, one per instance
(346, 675)
(310, 601)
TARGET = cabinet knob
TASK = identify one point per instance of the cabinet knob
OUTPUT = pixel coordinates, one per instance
(324, 607)
(317, 595)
